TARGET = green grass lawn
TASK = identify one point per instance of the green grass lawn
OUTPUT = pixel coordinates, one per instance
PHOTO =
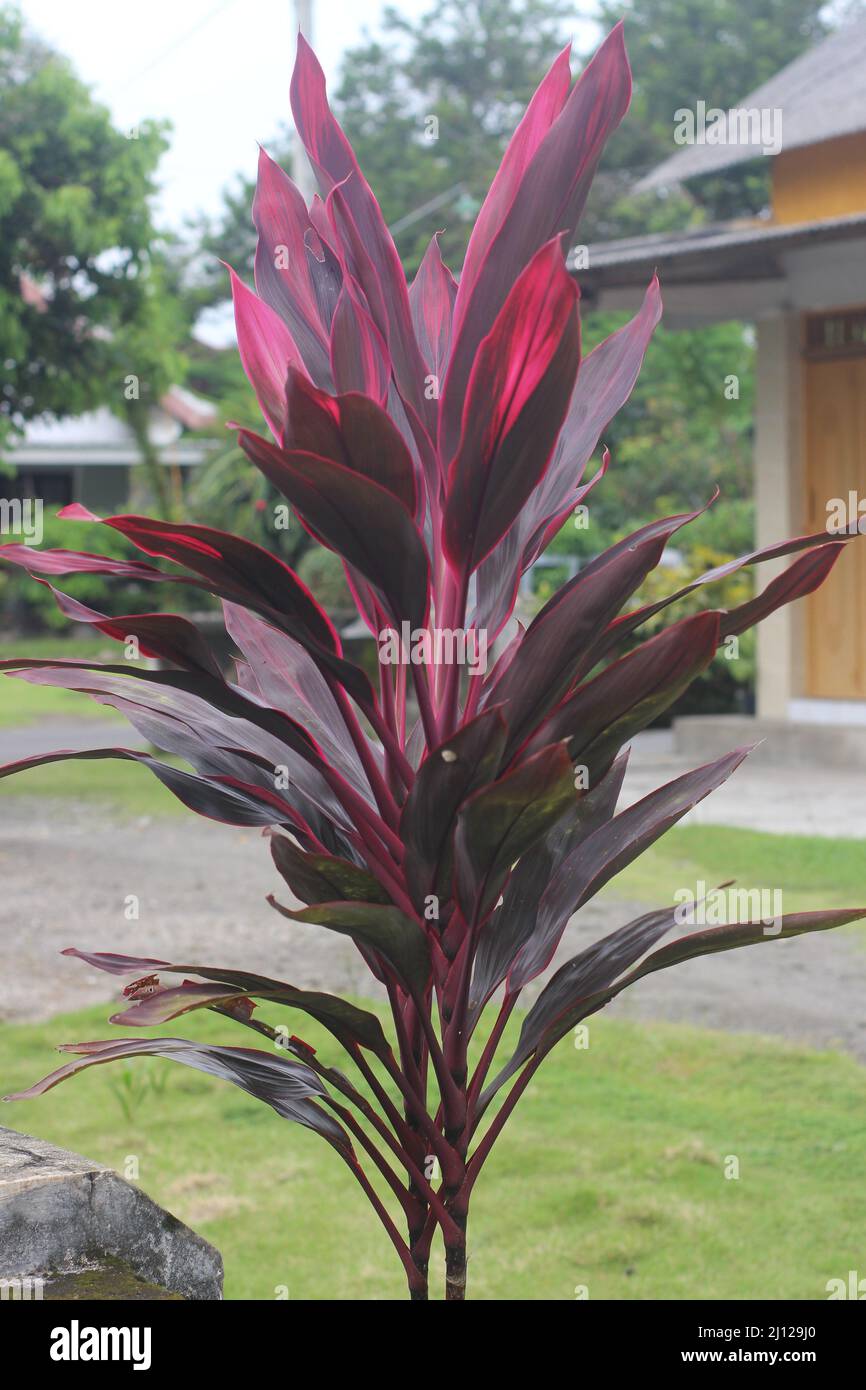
(812, 871)
(122, 788)
(610, 1174)
(22, 703)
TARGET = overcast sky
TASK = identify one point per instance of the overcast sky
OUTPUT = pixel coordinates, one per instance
(217, 69)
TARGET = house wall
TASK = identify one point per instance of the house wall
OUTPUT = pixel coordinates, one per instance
(824, 180)
(779, 503)
(104, 489)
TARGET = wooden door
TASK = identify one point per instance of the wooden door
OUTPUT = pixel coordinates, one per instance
(835, 460)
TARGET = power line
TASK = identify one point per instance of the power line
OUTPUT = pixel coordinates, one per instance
(178, 42)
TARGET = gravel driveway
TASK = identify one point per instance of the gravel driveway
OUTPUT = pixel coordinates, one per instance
(67, 880)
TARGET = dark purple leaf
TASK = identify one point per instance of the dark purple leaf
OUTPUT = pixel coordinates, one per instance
(362, 521)
(353, 431)
(380, 274)
(285, 266)
(286, 1085)
(320, 878)
(516, 400)
(386, 930)
(586, 983)
(344, 1020)
(502, 821)
(448, 775)
(513, 922)
(557, 647)
(216, 799)
(610, 848)
(163, 635)
(599, 717)
(547, 202)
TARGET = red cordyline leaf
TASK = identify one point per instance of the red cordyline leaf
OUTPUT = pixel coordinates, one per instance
(359, 354)
(296, 274)
(516, 401)
(547, 202)
(435, 438)
(352, 430)
(431, 299)
(370, 250)
(267, 351)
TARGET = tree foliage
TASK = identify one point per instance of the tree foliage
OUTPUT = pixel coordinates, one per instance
(82, 299)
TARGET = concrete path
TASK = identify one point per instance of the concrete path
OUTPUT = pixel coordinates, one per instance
(797, 800)
(48, 735)
(190, 890)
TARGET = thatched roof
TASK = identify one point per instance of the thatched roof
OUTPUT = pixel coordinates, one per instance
(821, 94)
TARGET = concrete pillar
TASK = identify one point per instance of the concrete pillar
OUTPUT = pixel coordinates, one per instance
(779, 502)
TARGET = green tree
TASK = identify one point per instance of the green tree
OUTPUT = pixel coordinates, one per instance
(681, 52)
(430, 104)
(85, 319)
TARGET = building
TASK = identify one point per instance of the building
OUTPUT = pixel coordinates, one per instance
(798, 274)
(87, 458)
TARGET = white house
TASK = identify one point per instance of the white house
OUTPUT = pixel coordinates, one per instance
(87, 458)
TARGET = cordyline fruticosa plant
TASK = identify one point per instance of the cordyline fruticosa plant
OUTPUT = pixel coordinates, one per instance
(436, 437)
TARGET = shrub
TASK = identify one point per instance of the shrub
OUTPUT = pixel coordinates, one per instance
(435, 439)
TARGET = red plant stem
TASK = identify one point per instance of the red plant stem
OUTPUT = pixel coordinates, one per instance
(421, 682)
(455, 1266)
(401, 1152)
(473, 695)
(459, 974)
(456, 619)
(398, 1145)
(397, 998)
(409, 1075)
(416, 1278)
(476, 1162)
(404, 1130)
(421, 1246)
(480, 1074)
(407, 1135)
(449, 1163)
(384, 873)
(416, 1042)
(457, 1036)
(413, 1094)
(382, 792)
(409, 1203)
(386, 699)
(392, 747)
(423, 1186)
(401, 705)
(364, 817)
(444, 608)
(453, 1100)
(340, 1082)
(427, 1193)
